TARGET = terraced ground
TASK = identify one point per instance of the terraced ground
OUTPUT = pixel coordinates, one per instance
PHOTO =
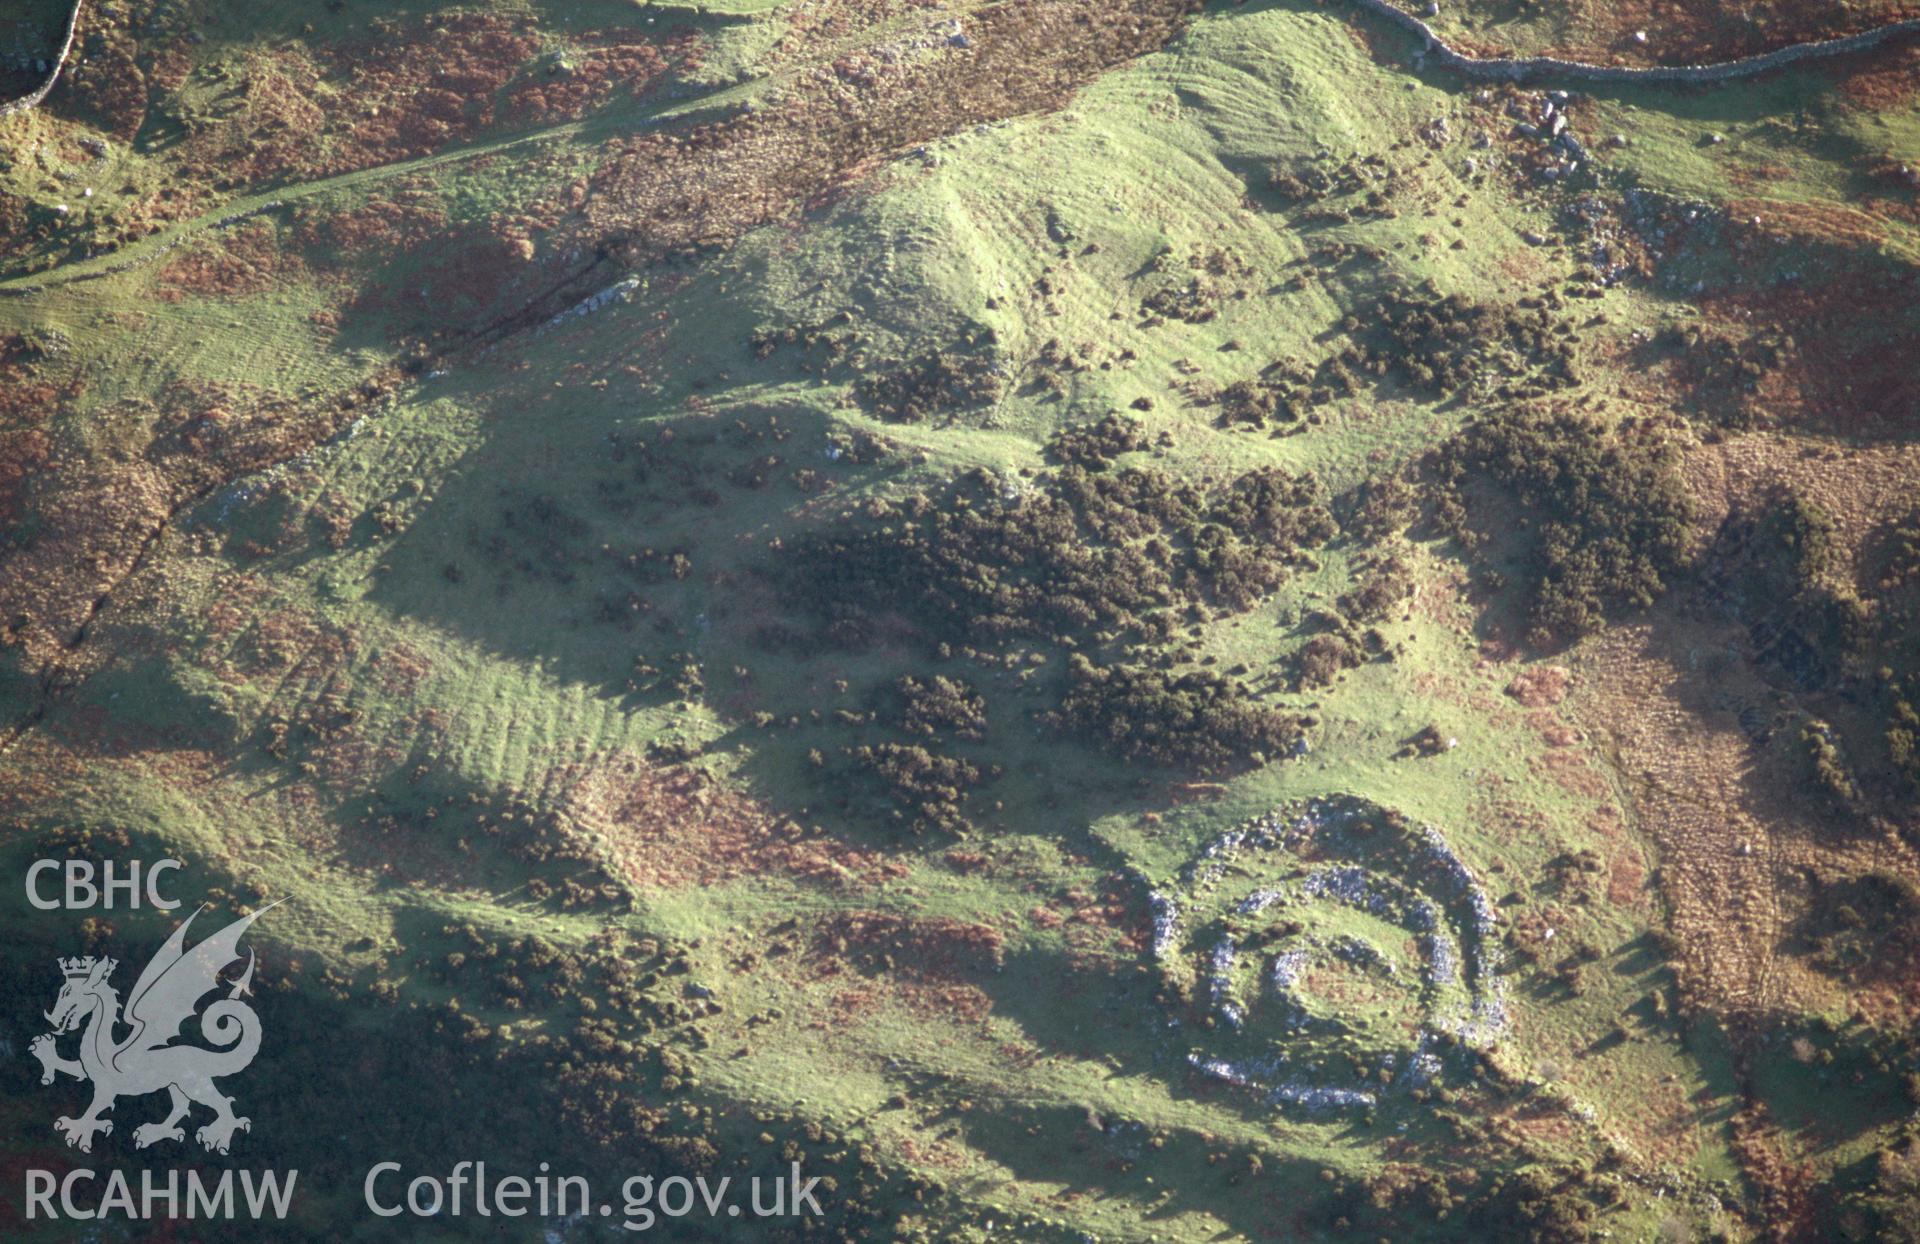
(776, 581)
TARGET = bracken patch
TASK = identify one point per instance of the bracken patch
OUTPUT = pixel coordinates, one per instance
(672, 829)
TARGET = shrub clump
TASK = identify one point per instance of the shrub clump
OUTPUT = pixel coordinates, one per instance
(1082, 557)
(1442, 345)
(1322, 659)
(1785, 570)
(1096, 445)
(1606, 517)
(1830, 769)
(1196, 718)
(940, 706)
(934, 383)
(928, 791)
(1864, 928)
(1106, 563)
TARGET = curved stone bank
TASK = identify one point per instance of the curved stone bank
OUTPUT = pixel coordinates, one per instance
(1531, 68)
(53, 75)
(1323, 939)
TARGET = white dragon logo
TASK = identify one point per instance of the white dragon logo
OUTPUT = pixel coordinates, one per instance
(143, 1062)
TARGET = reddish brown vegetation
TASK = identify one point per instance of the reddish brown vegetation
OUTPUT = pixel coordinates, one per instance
(666, 192)
(97, 517)
(671, 829)
(451, 276)
(27, 402)
(611, 61)
(1833, 345)
(406, 90)
(933, 947)
(1112, 920)
(927, 965)
(413, 88)
(402, 219)
(106, 86)
(1626, 877)
(1883, 80)
(273, 132)
(1540, 686)
(1709, 30)
(1681, 32)
(465, 277)
(247, 260)
(1786, 1186)
(1552, 731)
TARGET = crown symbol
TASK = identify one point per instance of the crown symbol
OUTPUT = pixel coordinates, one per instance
(74, 968)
